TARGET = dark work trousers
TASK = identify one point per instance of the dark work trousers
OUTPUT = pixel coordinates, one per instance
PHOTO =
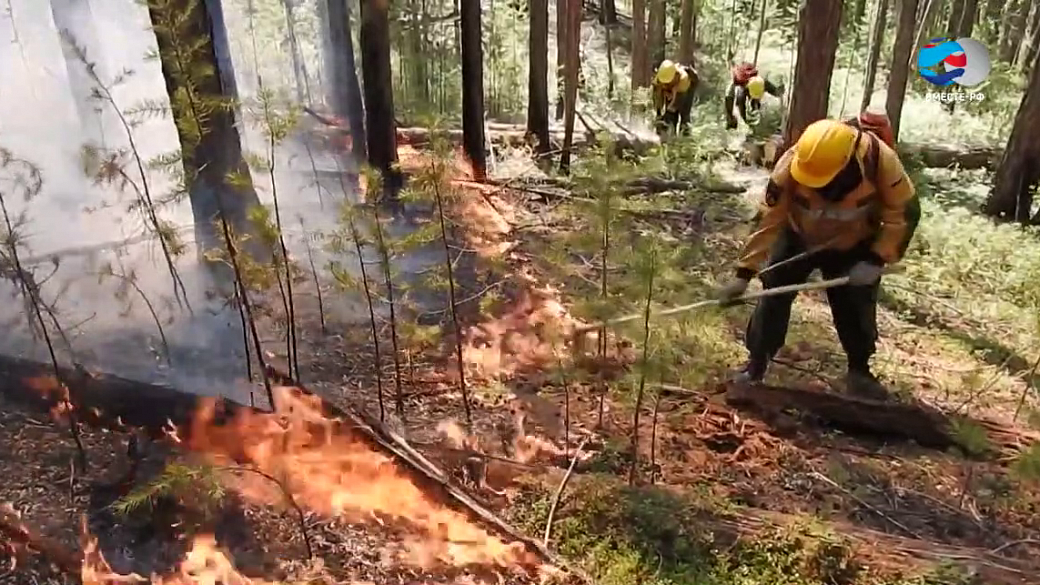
(737, 95)
(853, 308)
(681, 116)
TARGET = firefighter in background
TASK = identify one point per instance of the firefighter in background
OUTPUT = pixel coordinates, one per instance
(747, 88)
(839, 200)
(673, 87)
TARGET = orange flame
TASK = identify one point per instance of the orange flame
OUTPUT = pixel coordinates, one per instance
(329, 470)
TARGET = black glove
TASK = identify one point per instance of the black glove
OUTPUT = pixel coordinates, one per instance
(731, 124)
(865, 273)
(732, 290)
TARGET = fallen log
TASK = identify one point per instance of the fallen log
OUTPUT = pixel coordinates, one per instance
(517, 137)
(26, 541)
(766, 152)
(892, 420)
(637, 186)
(113, 401)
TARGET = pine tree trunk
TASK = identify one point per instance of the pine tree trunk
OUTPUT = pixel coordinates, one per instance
(900, 69)
(76, 19)
(819, 24)
(877, 37)
(210, 159)
(473, 89)
(608, 12)
(419, 73)
(685, 54)
(538, 77)
(640, 69)
(1011, 29)
(656, 34)
(761, 30)
(561, 55)
(379, 93)
(342, 75)
(1019, 168)
(954, 21)
(573, 21)
(966, 26)
(302, 84)
(1027, 48)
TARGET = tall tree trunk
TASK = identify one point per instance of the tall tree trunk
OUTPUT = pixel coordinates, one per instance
(877, 36)
(656, 33)
(345, 89)
(954, 22)
(74, 20)
(473, 89)
(1027, 48)
(608, 12)
(640, 73)
(321, 11)
(685, 54)
(819, 24)
(379, 92)
(303, 85)
(538, 77)
(1012, 24)
(900, 69)
(573, 22)
(761, 29)
(196, 81)
(966, 26)
(1019, 169)
(561, 55)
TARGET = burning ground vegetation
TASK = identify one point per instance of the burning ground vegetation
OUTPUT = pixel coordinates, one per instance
(292, 496)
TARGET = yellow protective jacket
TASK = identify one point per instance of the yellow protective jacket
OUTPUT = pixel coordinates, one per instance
(883, 208)
(669, 95)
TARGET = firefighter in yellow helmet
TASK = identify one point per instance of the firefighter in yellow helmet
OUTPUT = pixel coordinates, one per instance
(673, 87)
(747, 88)
(839, 201)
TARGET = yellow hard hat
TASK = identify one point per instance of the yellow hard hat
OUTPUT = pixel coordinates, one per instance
(822, 152)
(666, 72)
(756, 87)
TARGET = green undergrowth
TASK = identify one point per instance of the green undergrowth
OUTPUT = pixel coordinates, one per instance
(657, 536)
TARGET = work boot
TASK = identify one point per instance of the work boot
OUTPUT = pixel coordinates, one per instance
(752, 373)
(861, 382)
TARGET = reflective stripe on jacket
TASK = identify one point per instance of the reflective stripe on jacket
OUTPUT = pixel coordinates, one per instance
(885, 210)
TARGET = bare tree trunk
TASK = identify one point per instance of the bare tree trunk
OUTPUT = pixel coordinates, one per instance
(1012, 23)
(75, 20)
(956, 12)
(900, 70)
(473, 89)
(761, 30)
(573, 18)
(685, 54)
(656, 33)
(379, 93)
(345, 89)
(966, 26)
(819, 24)
(1019, 168)
(1027, 48)
(640, 73)
(538, 77)
(877, 36)
(303, 85)
(213, 156)
(561, 55)
(608, 12)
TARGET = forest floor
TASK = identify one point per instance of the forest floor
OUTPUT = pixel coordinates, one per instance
(717, 495)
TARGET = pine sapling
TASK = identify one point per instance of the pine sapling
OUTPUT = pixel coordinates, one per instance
(128, 282)
(649, 271)
(314, 275)
(112, 169)
(605, 204)
(374, 184)
(276, 127)
(28, 177)
(343, 277)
